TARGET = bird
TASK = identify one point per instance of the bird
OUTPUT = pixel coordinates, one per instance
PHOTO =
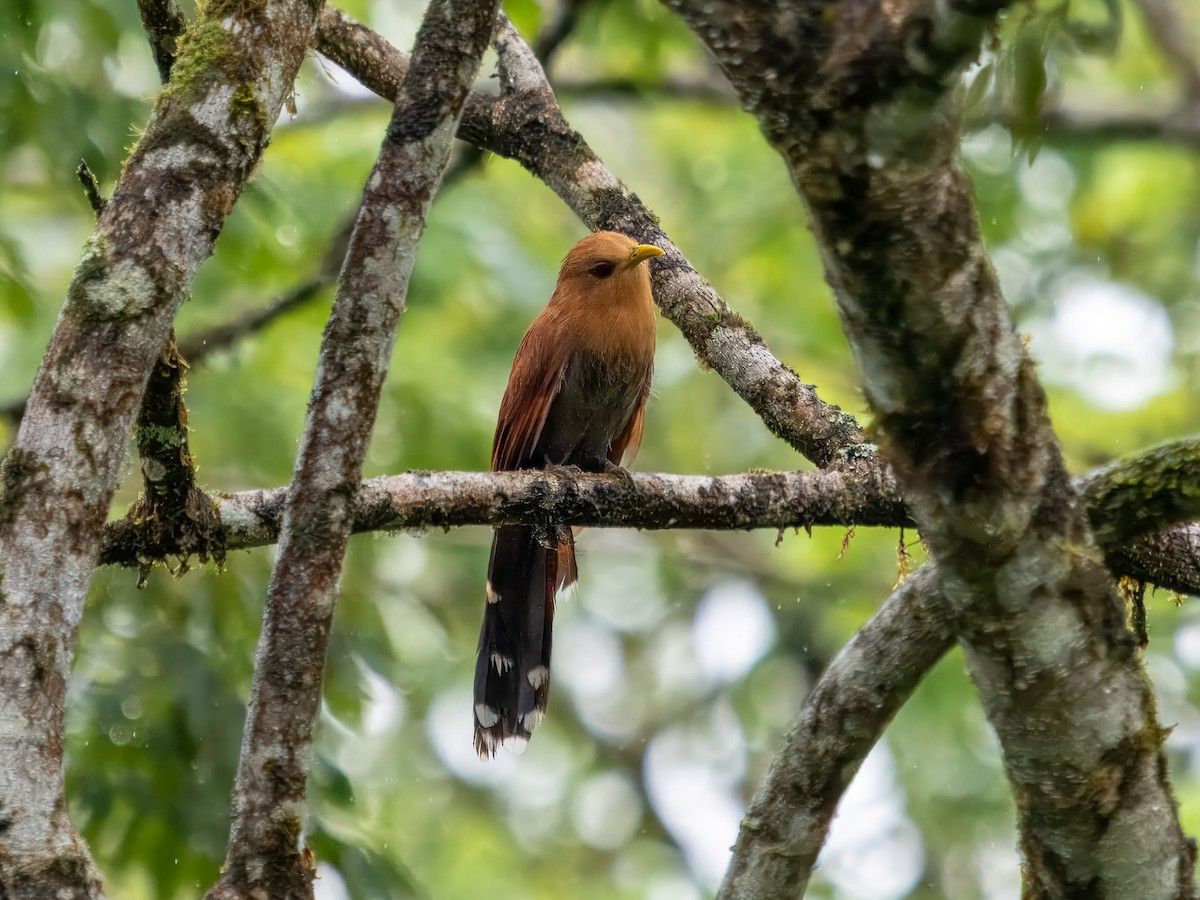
(576, 396)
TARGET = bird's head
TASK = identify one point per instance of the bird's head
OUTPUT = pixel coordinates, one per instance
(607, 266)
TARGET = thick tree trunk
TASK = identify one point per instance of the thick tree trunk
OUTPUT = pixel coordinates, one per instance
(235, 67)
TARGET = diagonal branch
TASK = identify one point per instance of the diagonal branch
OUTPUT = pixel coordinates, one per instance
(265, 856)
(847, 711)
(164, 24)
(206, 135)
(857, 112)
(842, 718)
(198, 346)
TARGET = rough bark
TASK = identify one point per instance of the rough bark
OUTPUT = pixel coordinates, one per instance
(1135, 496)
(266, 857)
(854, 102)
(853, 702)
(234, 68)
(1169, 558)
(422, 500)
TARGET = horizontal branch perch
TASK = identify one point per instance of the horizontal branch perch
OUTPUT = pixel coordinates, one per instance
(418, 500)
(448, 499)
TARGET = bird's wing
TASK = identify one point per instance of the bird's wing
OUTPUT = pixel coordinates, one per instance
(625, 445)
(537, 376)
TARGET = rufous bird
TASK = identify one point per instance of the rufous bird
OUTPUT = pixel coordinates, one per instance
(576, 397)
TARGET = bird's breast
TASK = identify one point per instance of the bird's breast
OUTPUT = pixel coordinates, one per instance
(597, 397)
(603, 381)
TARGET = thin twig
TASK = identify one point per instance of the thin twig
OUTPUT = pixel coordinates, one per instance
(198, 346)
(91, 187)
(1078, 125)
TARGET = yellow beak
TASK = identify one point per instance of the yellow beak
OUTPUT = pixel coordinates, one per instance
(643, 251)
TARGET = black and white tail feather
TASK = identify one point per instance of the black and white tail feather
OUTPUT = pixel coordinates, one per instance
(512, 668)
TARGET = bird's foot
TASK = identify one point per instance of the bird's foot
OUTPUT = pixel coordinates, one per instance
(611, 468)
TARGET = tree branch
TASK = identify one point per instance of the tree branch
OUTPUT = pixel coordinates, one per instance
(198, 346)
(420, 500)
(265, 856)
(773, 500)
(205, 137)
(842, 718)
(856, 110)
(164, 24)
(1169, 559)
(1140, 494)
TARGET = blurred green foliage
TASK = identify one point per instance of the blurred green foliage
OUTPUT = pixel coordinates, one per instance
(664, 683)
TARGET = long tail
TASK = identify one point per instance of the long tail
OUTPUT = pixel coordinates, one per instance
(512, 669)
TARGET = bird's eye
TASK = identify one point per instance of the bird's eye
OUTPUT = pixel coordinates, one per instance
(602, 269)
